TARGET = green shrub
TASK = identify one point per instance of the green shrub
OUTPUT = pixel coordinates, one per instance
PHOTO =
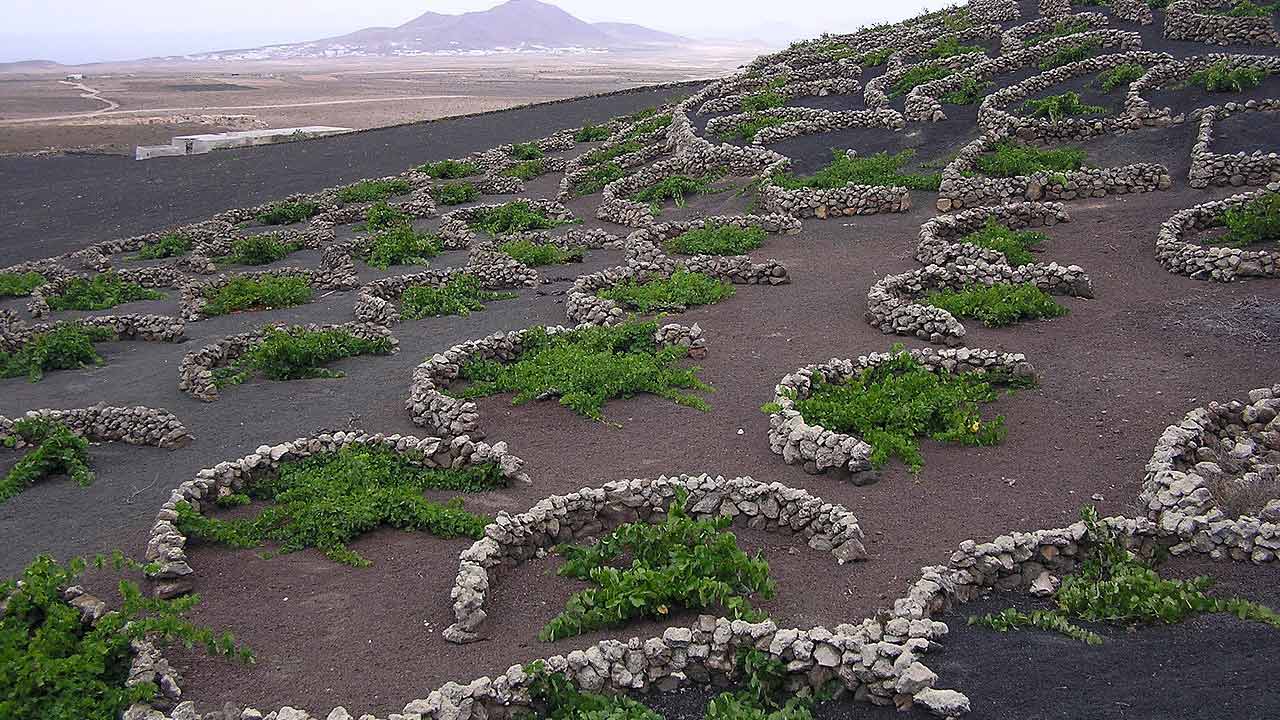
(1069, 54)
(55, 451)
(597, 177)
(536, 254)
(171, 245)
(55, 668)
(527, 170)
(675, 187)
(513, 217)
(400, 245)
(1012, 159)
(527, 151)
(1015, 245)
(651, 125)
(1257, 221)
(559, 699)
(1056, 107)
(676, 564)
(1244, 8)
(370, 190)
(680, 291)
(875, 58)
(949, 46)
(381, 216)
(1221, 77)
(450, 169)
(642, 114)
(298, 354)
(969, 91)
(715, 239)
(458, 296)
(65, 347)
(999, 304)
(102, 291)
(747, 129)
(20, 284)
(326, 501)
(266, 292)
(916, 75)
(1114, 586)
(259, 250)
(893, 404)
(591, 133)
(455, 193)
(586, 368)
(1062, 28)
(763, 100)
(880, 169)
(604, 155)
(764, 695)
(1120, 76)
(288, 212)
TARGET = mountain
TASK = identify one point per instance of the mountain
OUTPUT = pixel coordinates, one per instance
(514, 26)
(18, 66)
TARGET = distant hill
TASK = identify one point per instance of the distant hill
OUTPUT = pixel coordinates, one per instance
(28, 66)
(514, 26)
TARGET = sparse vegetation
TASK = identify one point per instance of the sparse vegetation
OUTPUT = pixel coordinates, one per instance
(914, 76)
(650, 125)
(527, 170)
(20, 284)
(969, 91)
(597, 177)
(747, 129)
(1120, 76)
(1255, 222)
(527, 151)
(381, 216)
(55, 450)
(1246, 9)
(102, 291)
(537, 254)
(604, 155)
(1015, 245)
(715, 239)
(1013, 159)
(1062, 28)
(513, 217)
(999, 304)
(371, 190)
(450, 169)
(400, 245)
(675, 187)
(288, 212)
(298, 354)
(266, 292)
(880, 169)
(171, 245)
(1222, 77)
(588, 367)
(326, 501)
(1056, 107)
(680, 291)
(675, 564)
(259, 250)
(459, 295)
(949, 46)
(1070, 54)
(591, 133)
(455, 193)
(65, 347)
(763, 100)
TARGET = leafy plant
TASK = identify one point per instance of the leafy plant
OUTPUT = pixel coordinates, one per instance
(1070, 54)
(1013, 159)
(1244, 9)
(914, 76)
(450, 169)
(298, 353)
(678, 563)
(1120, 76)
(526, 170)
(326, 501)
(1257, 221)
(763, 100)
(20, 284)
(597, 177)
(1062, 28)
(370, 190)
(1015, 245)
(875, 58)
(880, 169)
(458, 296)
(536, 254)
(1114, 586)
(651, 124)
(65, 347)
(1221, 77)
(716, 239)
(586, 368)
(999, 304)
(288, 212)
(171, 245)
(560, 699)
(949, 46)
(527, 151)
(608, 154)
(683, 289)
(259, 250)
(102, 291)
(513, 217)
(56, 668)
(764, 695)
(455, 193)
(381, 216)
(591, 133)
(270, 291)
(56, 451)
(747, 129)
(969, 91)
(1056, 107)
(400, 245)
(674, 187)
(896, 402)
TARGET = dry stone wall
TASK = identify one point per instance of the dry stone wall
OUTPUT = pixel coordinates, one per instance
(103, 423)
(1180, 254)
(1209, 168)
(15, 333)
(1194, 20)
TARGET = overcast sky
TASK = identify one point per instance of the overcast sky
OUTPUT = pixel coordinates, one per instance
(73, 31)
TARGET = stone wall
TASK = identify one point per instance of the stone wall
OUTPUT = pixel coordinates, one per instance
(1234, 169)
(159, 276)
(1179, 254)
(103, 423)
(1015, 37)
(852, 199)
(1134, 11)
(940, 237)
(156, 328)
(337, 271)
(822, 121)
(455, 227)
(1192, 20)
(591, 512)
(817, 449)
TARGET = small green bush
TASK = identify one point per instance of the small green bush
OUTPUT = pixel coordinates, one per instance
(326, 501)
(1257, 221)
(597, 177)
(460, 295)
(171, 245)
(381, 216)
(763, 100)
(288, 212)
(1062, 28)
(65, 347)
(675, 187)
(747, 129)
(99, 292)
(678, 563)
(400, 245)
(604, 155)
(450, 169)
(1120, 76)
(764, 695)
(55, 451)
(1221, 77)
(1245, 9)
(893, 404)
(591, 133)
(455, 193)
(298, 354)
(513, 217)
(1114, 586)
(999, 304)
(880, 169)
(537, 254)
(1070, 54)
(914, 76)
(680, 291)
(559, 699)
(1015, 245)
(715, 239)
(20, 284)
(1012, 159)
(55, 668)
(1056, 107)
(526, 170)
(949, 46)
(527, 151)
(586, 368)
(259, 250)
(970, 91)
(263, 293)
(651, 125)
(370, 190)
